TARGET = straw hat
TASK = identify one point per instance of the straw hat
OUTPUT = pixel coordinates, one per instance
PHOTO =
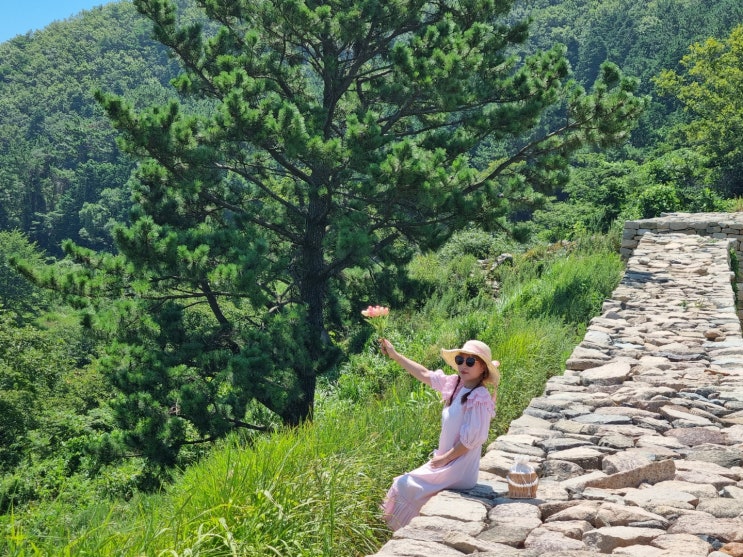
(475, 348)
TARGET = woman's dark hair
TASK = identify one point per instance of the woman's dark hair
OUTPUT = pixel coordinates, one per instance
(466, 395)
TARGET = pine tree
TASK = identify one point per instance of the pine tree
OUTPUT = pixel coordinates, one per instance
(328, 136)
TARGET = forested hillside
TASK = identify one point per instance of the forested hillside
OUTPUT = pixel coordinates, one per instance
(643, 38)
(198, 197)
(61, 174)
(63, 177)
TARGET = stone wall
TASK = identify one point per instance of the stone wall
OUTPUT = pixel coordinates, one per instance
(715, 225)
(639, 443)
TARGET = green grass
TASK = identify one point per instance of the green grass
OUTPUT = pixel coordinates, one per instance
(314, 490)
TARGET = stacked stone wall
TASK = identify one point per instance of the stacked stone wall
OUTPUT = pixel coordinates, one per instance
(639, 443)
(728, 226)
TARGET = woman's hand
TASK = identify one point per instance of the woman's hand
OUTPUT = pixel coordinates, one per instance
(386, 347)
(452, 454)
(439, 461)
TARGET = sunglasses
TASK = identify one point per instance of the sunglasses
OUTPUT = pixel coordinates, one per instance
(470, 360)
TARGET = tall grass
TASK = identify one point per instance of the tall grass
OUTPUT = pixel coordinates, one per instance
(315, 490)
(309, 491)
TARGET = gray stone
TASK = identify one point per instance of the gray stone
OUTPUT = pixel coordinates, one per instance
(723, 456)
(693, 436)
(509, 533)
(578, 483)
(624, 461)
(614, 373)
(673, 412)
(732, 492)
(573, 529)
(518, 449)
(586, 458)
(437, 526)
(507, 551)
(610, 514)
(721, 507)
(655, 497)
(415, 548)
(602, 419)
(550, 542)
(699, 477)
(467, 544)
(450, 505)
(584, 512)
(571, 427)
(682, 544)
(699, 490)
(660, 441)
(562, 443)
(606, 540)
(529, 424)
(616, 441)
(704, 524)
(542, 414)
(561, 470)
(642, 551)
(652, 473)
(514, 511)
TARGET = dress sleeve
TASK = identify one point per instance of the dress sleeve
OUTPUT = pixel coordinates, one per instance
(443, 383)
(478, 411)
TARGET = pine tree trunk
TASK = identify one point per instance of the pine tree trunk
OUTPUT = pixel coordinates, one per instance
(312, 291)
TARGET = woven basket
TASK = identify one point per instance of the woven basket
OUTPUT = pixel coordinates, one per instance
(522, 485)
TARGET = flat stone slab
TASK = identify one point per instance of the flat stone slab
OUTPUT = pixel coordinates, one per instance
(652, 473)
(661, 496)
(721, 507)
(436, 527)
(586, 458)
(694, 436)
(614, 373)
(704, 524)
(606, 540)
(456, 507)
(681, 544)
(416, 548)
(549, 542)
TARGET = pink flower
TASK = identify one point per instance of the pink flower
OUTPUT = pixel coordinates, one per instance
(376, 311)
(377, 317)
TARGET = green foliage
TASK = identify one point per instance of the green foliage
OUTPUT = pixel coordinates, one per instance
(30, 363)
(643, 38)
(593, 200)
(571, 289)
(709, 89)
(476, 242)
(57, 150)
(531, 350)
(18, 294)
(603, 193)
(657, 199)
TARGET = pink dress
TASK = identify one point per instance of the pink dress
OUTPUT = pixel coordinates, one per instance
(468, 423)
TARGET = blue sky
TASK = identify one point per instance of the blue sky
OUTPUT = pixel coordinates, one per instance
(19, 16)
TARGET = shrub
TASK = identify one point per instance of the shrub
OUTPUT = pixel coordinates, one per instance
(657, 199)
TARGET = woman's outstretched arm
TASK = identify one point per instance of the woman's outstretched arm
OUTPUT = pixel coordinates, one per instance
(413, 368)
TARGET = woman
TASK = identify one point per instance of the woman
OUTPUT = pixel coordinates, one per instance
(465, 423)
